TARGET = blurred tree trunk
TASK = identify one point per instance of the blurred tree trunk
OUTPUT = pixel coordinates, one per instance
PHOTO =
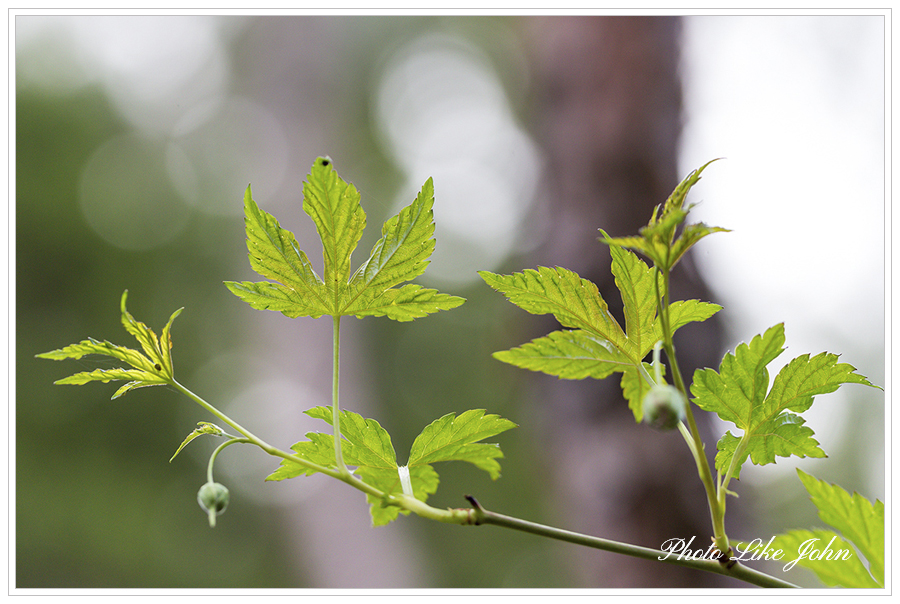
(609, 117)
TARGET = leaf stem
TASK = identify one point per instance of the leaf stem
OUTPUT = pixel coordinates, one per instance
(693, 438)
(335, 406)
(212, 458)
(250, 437)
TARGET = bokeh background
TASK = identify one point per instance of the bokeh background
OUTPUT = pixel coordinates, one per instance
(135, 137)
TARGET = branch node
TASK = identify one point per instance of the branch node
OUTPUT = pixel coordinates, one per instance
(476, 514)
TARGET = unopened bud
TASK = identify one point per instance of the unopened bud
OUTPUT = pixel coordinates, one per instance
(664, 407)
(213, 498)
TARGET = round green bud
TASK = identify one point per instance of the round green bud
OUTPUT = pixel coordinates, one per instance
(664, 407)
(213, 498)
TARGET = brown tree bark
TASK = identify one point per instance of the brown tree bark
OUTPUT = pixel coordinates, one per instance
(608, 115)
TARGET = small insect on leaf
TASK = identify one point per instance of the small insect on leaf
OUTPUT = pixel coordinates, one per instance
(158, 367)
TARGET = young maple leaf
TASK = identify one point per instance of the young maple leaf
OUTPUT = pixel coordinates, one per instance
(367, 447)
(739, 393)
(657, 240)
(594, 345)
(861, 524)
(400, 255)
(153, 367)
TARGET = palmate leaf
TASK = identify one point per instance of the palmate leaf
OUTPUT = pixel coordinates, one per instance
(367, 447)
(738, 394)
(595, 345)
(782, 436)
(400, 255)
(858, 521)
(854, 516)
(153, 367)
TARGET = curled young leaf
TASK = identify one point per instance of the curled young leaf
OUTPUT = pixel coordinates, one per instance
(202, 428)
(153, 367)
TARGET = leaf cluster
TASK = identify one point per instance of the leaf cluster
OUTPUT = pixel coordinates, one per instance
(658, 240)
(593, 343)
(373, 289)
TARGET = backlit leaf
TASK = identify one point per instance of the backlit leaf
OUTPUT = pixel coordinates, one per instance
(739, 393)
(596, 346)
(568, 354)
(334, 206)
(403, 304)
(635, 282)
(658, 240)
(829, 554)
(153, 367)
(367, 448)
(858, 520)
(844, 569)
(202, 428)
(404, 248)
(455, 438)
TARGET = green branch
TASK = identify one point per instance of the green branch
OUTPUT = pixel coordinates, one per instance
(478, 515)
(736, 570)
(692, 435)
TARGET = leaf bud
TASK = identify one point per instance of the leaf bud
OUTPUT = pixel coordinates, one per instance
(213, 498)
(664, 407)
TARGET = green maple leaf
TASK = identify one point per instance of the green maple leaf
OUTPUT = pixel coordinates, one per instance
(739, 393)
(296, 290)
(367, 447)
(456, 438)
(595, 345)
(858, 522)
(152, 367)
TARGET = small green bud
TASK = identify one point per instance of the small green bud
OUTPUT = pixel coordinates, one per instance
(664, 407)
(213, 498)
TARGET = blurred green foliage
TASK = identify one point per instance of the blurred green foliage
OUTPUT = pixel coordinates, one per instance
(97, 506)
(96, 503)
